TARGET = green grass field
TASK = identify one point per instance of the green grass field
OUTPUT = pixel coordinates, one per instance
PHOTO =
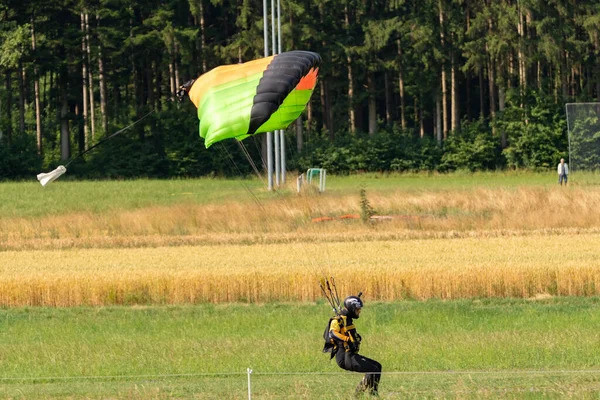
(430, 349)
(540, 347)
(30, 199)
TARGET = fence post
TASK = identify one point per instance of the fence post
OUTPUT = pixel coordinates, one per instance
(249, 371)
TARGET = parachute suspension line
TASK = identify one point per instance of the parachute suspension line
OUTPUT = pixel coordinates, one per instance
(234, 166)
(229, 158)
(331, 296)
(337, 296)
(250, 160)
(259, 151)
(321, 285)
(109, 137)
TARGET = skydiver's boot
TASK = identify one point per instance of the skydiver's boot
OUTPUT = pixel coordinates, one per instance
(361, 388)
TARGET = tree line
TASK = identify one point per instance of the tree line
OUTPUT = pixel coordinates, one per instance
(404, 84)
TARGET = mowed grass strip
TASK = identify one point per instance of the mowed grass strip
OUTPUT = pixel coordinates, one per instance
(447, 349)
(411, 214)
(527, 266)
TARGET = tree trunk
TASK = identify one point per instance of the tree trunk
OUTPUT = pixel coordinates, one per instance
(481, 95)
(372, 104)
(80, 137)
(351, 115)
(102, 81)
(511, 70)
(170, 47)
(564, 77)
(172, 72)
(468, 88)
(455, 112)
(401, 87)
(421, 122)
(444, 105)
(573, 82)
(299, 134)
(103, 101)
(329, 109)
(492, 88)
(351, 112)
(443, 77)
(177, 80)
(501, 106)
(309, 116)
(438, 119)
(64, 117)
(90, 77)
(9, 105)
(36, 85)
(388, 105)
(323, 104)
(84, 75)
(557, 83)
(202, 36)
(522, 67)
(469, 97)
(539, 76)
(492, 94)
(157, 84)
(327, 113)
(149, 73)
(416, 113)
(1, 133)
(21, 98)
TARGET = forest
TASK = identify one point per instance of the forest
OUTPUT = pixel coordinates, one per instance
(405, 85)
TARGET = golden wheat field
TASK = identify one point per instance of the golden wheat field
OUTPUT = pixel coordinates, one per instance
(517, 266)
(434, 244)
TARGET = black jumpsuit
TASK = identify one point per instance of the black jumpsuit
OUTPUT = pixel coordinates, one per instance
(343, 332)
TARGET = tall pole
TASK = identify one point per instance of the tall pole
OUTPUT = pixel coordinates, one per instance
(281, 132)
(276, 133)
(269, 134)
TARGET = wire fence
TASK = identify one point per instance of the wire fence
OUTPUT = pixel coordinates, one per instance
(240, 384)
(307, 373)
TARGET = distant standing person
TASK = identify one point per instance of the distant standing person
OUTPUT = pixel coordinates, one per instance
(563, 172)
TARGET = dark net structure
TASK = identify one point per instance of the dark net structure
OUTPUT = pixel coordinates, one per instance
(583, 123)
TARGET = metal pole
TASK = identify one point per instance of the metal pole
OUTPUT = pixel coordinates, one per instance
(281, 132)
(270, 160)
(265, 28)
(269, 134)
(249, 389)
(277, 159)
(278, 27)
(276, 133)
(273, 26)
(282, 154)
(569, 135)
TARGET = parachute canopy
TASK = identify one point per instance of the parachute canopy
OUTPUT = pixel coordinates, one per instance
(236, 101)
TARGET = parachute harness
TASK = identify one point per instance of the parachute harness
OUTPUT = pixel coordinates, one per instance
(329, 289)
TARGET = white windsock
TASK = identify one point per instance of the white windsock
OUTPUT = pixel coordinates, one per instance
(46, 178)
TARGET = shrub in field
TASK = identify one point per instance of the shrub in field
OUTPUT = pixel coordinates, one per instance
(472, 148)
(19, 158)
(536, 134)
(392, 150)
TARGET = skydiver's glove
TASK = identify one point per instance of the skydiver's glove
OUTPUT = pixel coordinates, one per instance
(358, 337)
(353, 346)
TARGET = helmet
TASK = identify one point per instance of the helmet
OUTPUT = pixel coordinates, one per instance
(352, 303)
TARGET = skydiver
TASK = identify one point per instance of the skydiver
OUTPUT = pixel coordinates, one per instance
(344, 344)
